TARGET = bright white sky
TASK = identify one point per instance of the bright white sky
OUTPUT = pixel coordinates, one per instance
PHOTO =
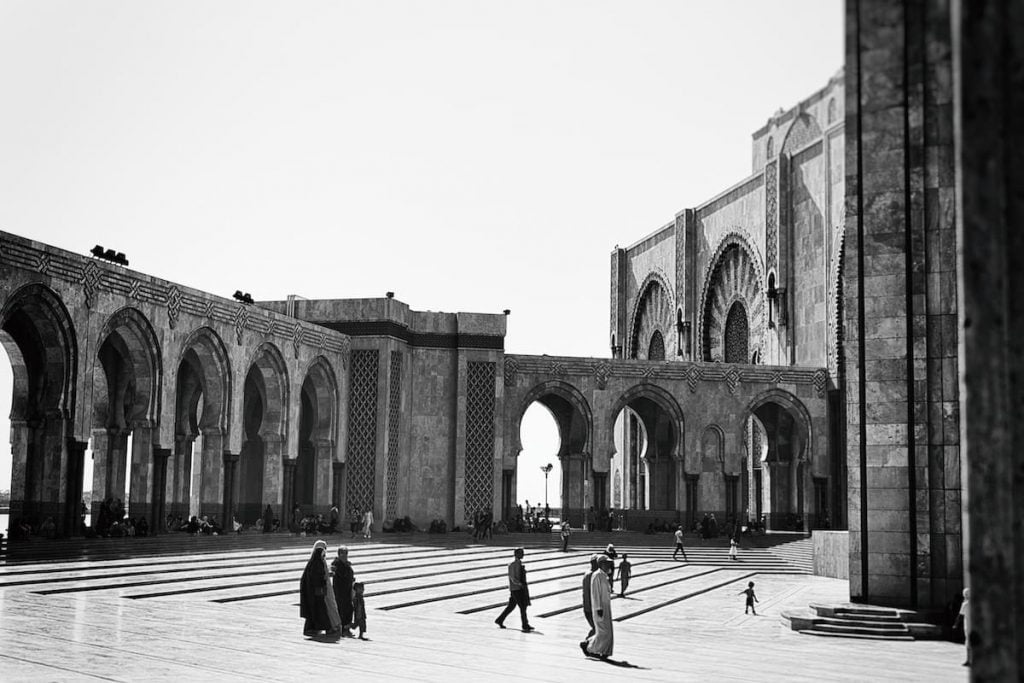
(467, 155)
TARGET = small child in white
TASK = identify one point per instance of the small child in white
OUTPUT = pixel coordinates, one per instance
(751, 598)
(732, 550)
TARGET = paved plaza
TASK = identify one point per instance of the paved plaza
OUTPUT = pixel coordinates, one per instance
(227, 609)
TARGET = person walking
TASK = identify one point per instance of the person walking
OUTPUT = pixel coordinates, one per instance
(519, 591)
(316, 598)
(601, 644)
(268, 519)
(587, 607)
(359, 609)
(751, 598)
(625, 572)
(566, 532)
(368, 523)
(732, 550)
(679, 543)
(344, 578)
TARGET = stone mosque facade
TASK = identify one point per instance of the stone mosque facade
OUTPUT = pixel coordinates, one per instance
(750, 276)
(833, 342)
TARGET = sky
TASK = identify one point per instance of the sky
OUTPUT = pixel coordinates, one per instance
(466, 155)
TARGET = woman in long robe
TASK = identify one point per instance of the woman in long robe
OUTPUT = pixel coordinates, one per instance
(601, 643)
(316, 596)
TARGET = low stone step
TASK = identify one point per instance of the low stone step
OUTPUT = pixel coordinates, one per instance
(867, 623)
(863, 636)
(862, 630)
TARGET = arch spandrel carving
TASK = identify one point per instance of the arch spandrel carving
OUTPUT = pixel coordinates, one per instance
(653, 311)
(734, 273)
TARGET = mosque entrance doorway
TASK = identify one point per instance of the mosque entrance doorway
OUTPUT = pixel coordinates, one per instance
(777, 431)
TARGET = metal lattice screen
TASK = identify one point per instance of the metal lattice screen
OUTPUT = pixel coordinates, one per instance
(479, 437)
(362, 428)
(394, 425)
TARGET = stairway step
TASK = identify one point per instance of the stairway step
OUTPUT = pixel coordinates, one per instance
(864, 630)
(863, 636)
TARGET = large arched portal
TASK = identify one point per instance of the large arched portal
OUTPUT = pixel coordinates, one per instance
(313, 481)
(648, 427)
(777, 434)
(126, 393)
(38, 336)
(572, 416)
(195, 479)
(264, 401)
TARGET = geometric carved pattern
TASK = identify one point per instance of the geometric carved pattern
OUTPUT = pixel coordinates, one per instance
(653, 313)
(90, 282)
(734, 276)
(693, 376)
(511, 367)
(737, 335)
(394, 425)
(173, 305)
(362, 429)
(771, 222)
(479, 437)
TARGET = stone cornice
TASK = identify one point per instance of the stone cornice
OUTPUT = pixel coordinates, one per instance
(95, 276)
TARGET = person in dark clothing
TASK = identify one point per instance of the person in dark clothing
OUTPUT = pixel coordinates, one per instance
(268, 519)
(344, 578)
(519, 592)
(314, 606)
(359, 610)
(586, 595)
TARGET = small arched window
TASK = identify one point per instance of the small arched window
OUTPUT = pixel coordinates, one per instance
(656, 350)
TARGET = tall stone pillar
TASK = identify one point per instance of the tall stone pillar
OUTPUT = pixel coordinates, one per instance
(211, 487)
(989, 76)
(575, 488)
(74, 471)
(179, 477)
(288, 492)
(20, 436)
(338, 486)
(899, 284)
(273, 474)
(161, 456)
(230, 487)
(141, 474)
(323, 482)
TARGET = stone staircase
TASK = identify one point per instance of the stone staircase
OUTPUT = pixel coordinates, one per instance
(864, 621)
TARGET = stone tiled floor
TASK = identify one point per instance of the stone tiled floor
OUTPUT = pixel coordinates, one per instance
(203, 612)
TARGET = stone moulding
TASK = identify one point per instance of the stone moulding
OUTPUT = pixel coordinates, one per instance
(96, 276)
(602, 369)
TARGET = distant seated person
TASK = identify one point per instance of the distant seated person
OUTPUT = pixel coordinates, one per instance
(192, 526)
(48, 529)
(323, 526)
(236, 526)
(142, 528)
(21, 530)
(117, 529)
(209, 526)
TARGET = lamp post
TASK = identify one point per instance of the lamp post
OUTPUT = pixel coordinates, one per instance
(546, 469)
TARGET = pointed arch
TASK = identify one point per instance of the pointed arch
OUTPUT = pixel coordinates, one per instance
(267, 363)
(38, 334)
(570, 410)
(205, 370)
(734, 273)
(129, 334)
(652, 312)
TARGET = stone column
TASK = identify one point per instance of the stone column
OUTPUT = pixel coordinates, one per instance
(323, 480)
(211, 488)
(338, 486)
(141, 490)
(51, 474)
(230, 465)
(574, 486)
(989, 77)
(71, 522)
(180, 476)
(288, 492)
(273, 473)
(900, 290)
(158, 524)
(20, 435)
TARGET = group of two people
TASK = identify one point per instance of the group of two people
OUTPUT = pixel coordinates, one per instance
(336, 608)
(597, 597)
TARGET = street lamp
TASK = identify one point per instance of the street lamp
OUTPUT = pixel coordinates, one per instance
(546, 469)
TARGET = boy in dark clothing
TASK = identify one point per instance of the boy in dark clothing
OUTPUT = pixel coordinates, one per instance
(359, 609)
(751, 598)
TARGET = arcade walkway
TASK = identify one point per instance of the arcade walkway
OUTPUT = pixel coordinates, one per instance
(225, 608)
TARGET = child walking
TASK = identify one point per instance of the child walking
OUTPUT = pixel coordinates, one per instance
(359, 609)
(751, 598)
(732, 550)
(625, 571)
